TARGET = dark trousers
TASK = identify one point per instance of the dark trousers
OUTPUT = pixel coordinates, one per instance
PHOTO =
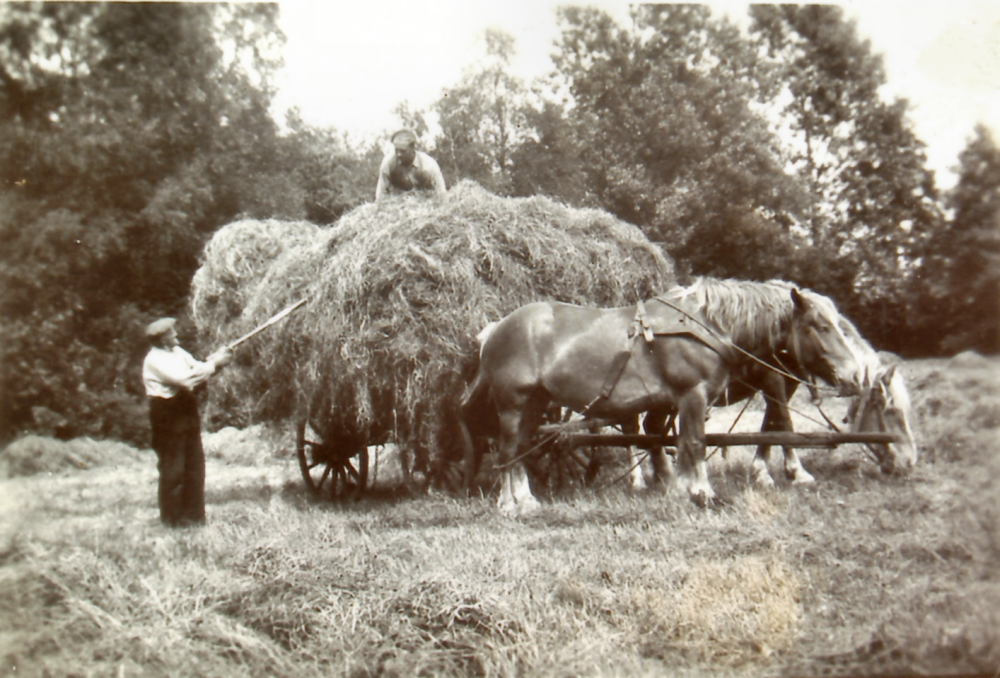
(177, 443)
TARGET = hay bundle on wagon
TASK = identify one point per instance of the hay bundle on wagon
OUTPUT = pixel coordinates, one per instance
(397, 292)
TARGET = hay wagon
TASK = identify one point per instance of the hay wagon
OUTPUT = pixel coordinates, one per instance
(398, 291)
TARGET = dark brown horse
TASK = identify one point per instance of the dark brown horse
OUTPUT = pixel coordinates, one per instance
(674, 353)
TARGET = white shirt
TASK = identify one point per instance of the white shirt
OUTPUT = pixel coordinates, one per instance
(166, 372)
(423, 175)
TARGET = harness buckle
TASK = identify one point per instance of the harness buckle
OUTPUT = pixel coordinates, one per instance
(641, 323)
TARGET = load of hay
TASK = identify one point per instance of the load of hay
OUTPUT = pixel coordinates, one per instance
(397, 292)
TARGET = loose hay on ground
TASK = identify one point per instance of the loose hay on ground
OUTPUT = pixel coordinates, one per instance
(398, 290)
(729, 611)
(31, 455)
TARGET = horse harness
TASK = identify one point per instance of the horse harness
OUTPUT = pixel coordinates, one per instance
(678, 323)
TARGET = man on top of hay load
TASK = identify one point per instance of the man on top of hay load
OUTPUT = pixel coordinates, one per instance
(408, 169)
(170, 375)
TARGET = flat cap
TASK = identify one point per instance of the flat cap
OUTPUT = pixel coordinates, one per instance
(159, 327)
(404, 138)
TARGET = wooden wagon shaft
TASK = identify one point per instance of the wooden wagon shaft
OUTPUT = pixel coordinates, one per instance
(576, 425)
(815, 439)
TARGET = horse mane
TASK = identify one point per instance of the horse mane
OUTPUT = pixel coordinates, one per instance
(898, 395)
(873, 371)
(870, 366)
(754, 315)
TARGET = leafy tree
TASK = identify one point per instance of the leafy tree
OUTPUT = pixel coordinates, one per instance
(131, 131)
(481, 119)
(670, 139)
(334, 176)
(548, 159)
(874, 197)
(960, 272)
(412, 119)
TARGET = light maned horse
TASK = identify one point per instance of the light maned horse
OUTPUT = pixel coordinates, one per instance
(881, 404)
(549, 353)
(777, 381)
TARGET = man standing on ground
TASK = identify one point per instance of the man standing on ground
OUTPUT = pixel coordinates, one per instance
(408, 169)
(170, 375)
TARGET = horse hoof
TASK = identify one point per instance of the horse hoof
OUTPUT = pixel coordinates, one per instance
(802, 478)
(639, 485)
(763, 480)
(703, 499)
(528, 506)
(522, 508)
(888, 468)
(761, 475)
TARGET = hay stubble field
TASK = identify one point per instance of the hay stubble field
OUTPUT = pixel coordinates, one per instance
(858, 574)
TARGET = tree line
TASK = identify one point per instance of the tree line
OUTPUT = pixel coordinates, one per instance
(132, 131)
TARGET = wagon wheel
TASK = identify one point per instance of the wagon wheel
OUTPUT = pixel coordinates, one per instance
(453, 475)
(340, 472)
(562, 467)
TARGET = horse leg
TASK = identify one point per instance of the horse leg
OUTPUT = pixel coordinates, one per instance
(761, 474)
(693, 471)
(777, 417)
(794, 471)
(775, 399)
(521, 490)
(515, 491)
(472, 409)
(656, 423)
(510, 426)
(636, 457)
(471, 458)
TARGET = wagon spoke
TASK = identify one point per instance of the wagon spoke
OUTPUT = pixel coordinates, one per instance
(349, 471)
(579, 458)
(336, 481)
(454, 477)
(360, 469)
(593, 468)
(347, 475)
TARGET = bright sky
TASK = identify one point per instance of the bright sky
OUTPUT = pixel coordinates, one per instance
(349, 67)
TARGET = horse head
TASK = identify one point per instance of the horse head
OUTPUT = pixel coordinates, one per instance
(819, 345)
(883, 406)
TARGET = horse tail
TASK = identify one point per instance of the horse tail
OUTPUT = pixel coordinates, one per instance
(473, 391)
(484, 335)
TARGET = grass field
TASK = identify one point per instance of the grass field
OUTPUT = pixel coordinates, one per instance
(859, 574)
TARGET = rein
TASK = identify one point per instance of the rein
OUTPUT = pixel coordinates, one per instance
(862, 406)
(545, 441)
